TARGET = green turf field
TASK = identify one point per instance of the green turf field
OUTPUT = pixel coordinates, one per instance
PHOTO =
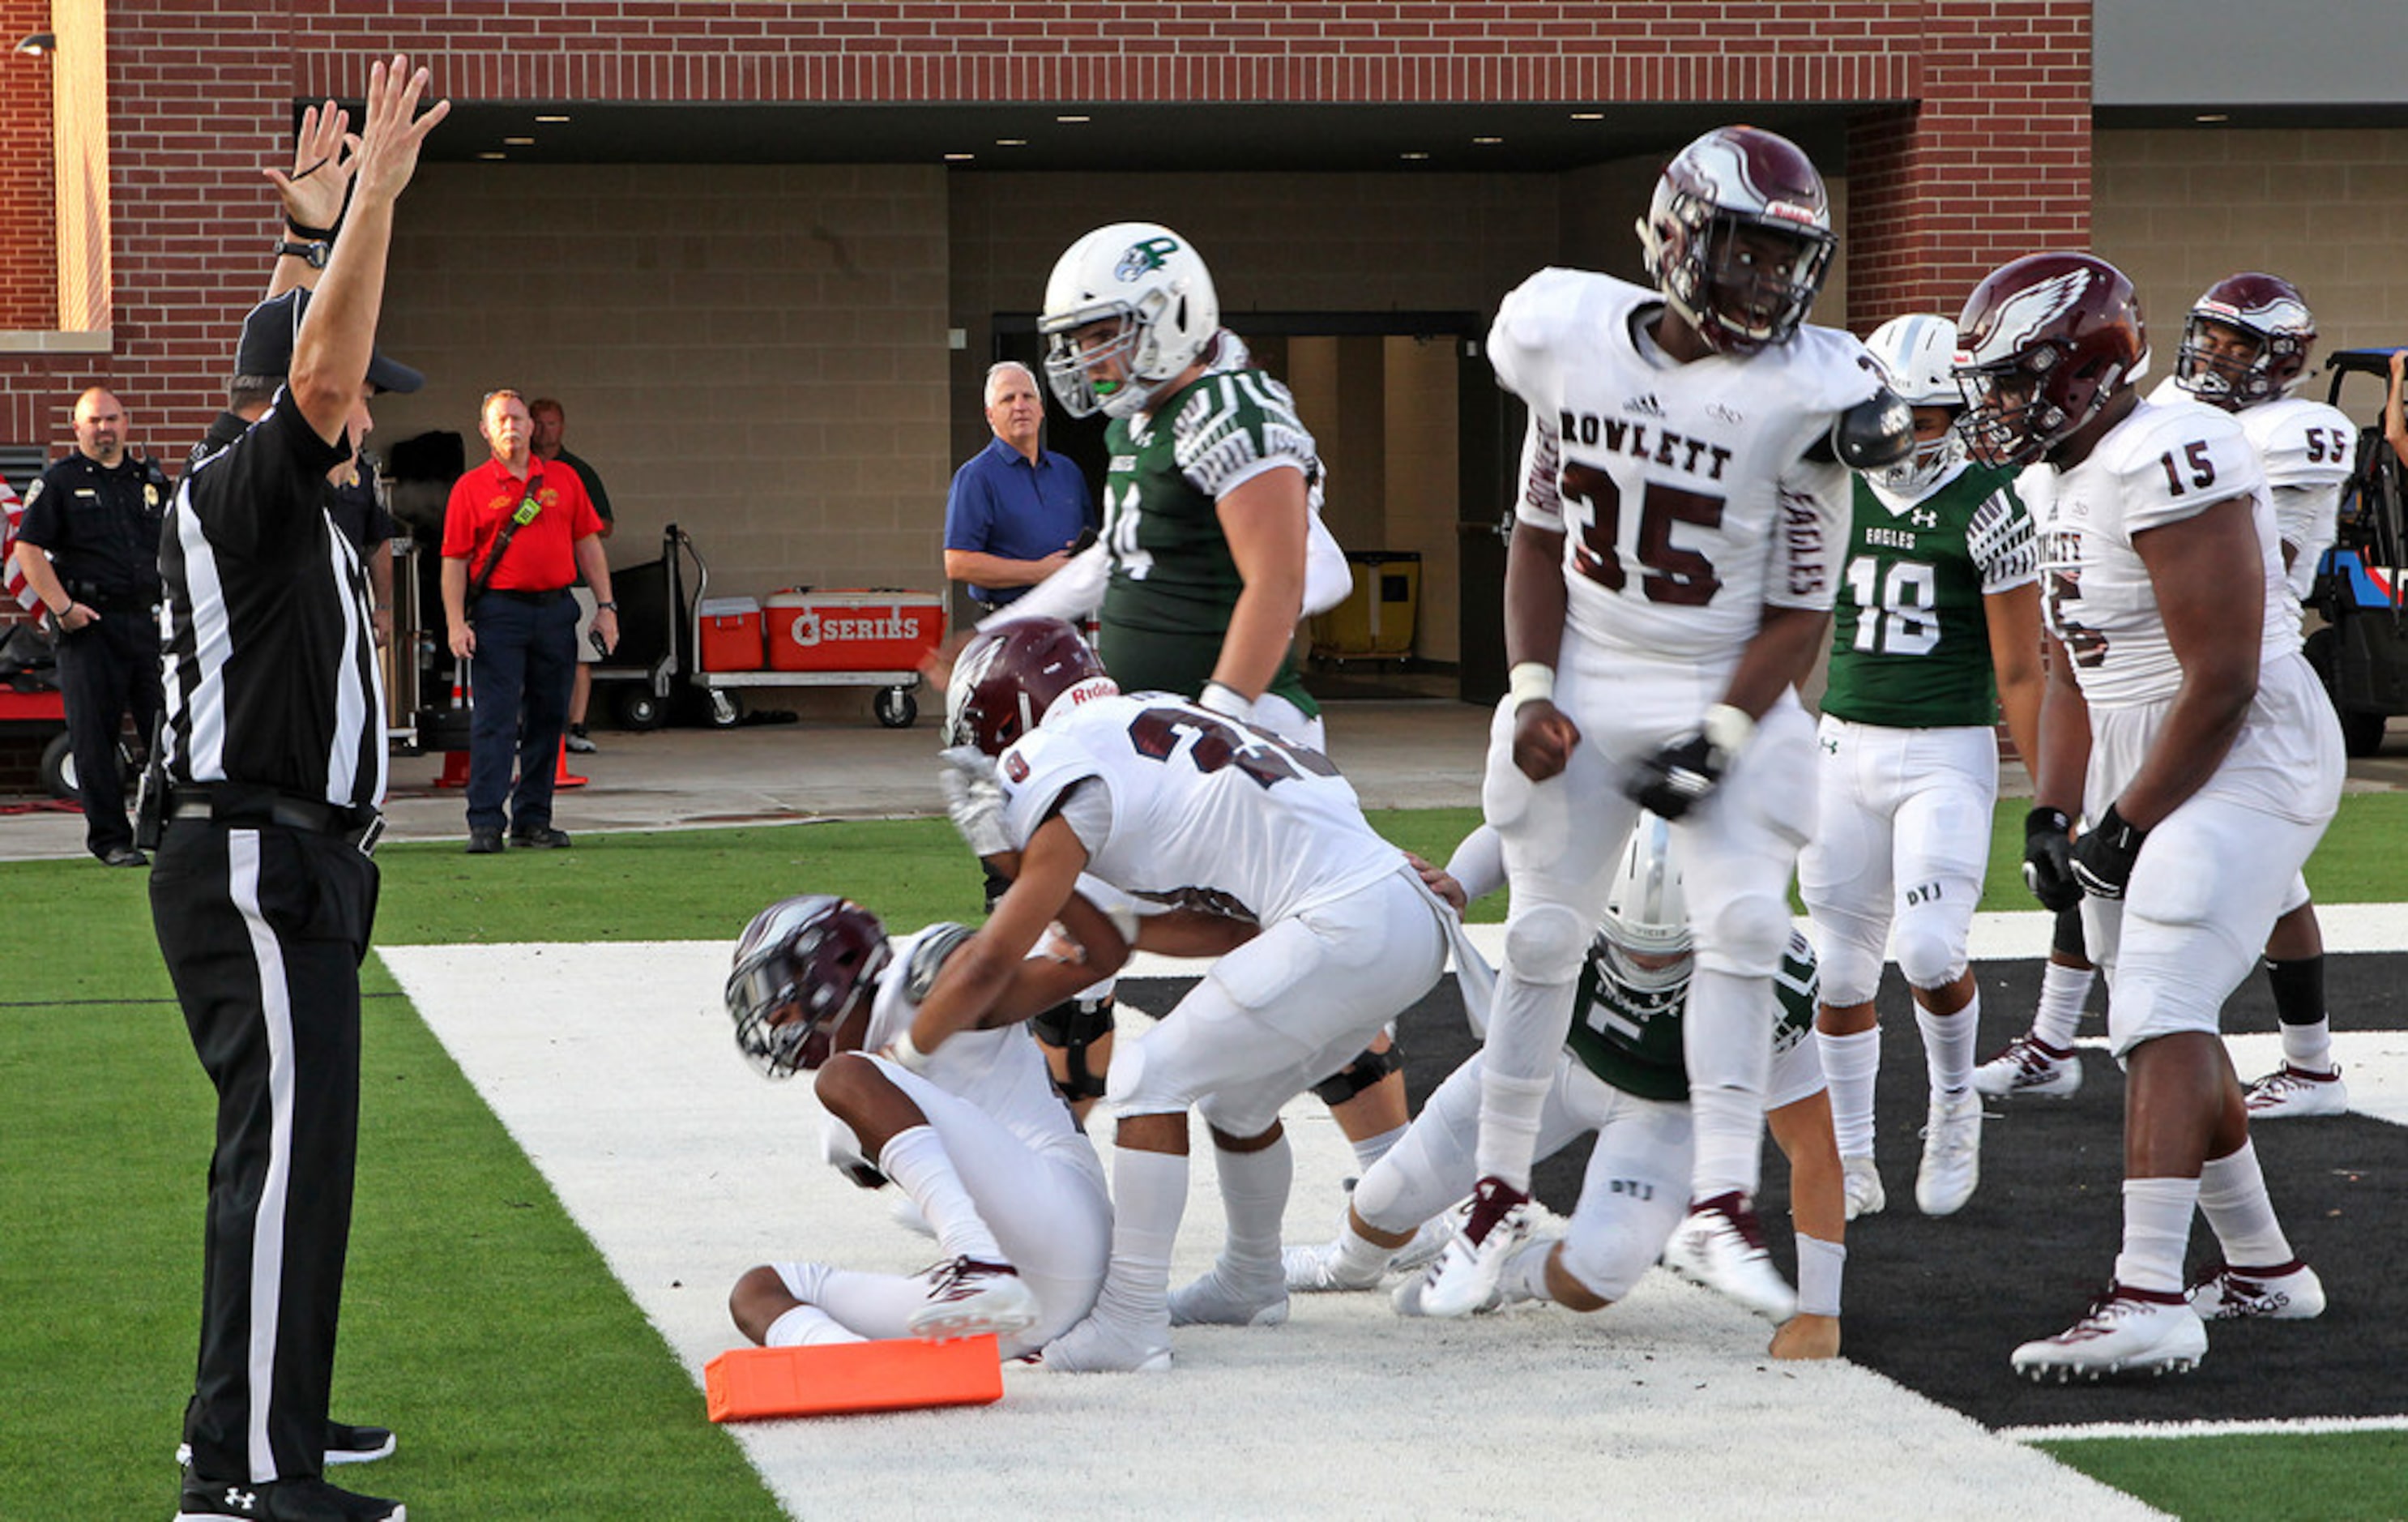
(479, 1321)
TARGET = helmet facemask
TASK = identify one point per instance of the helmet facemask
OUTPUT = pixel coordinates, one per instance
(1933, 461)
(1071, 364)
(2205, 368)
(2017, 409)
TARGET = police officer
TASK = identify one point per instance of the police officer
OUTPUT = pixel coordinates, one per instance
(90, 550)
(264, 894)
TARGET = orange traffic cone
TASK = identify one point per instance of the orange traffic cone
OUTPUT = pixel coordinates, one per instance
(563, 777)
(455, 762)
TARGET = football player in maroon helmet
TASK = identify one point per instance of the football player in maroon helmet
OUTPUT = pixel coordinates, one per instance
(2184, 723)
(2246, 341)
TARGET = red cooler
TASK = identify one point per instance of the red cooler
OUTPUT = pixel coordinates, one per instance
(731, 633)
(853, 631)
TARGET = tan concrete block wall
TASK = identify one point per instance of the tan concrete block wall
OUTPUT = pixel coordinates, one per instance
(2179, 210)
(755, 354)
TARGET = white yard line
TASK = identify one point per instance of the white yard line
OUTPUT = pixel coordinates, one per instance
(611, 1064)
(2276, 1425)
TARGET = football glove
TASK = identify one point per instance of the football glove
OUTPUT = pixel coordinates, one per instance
(1678, 777)
(2103, 857)
(973, 798)
(2048, 859)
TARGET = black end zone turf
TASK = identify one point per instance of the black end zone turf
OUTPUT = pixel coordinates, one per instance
(1938, 1305)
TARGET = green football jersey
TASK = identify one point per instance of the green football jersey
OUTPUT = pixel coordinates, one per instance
(1632, 1038)
(1910, 638)
(1174, 582)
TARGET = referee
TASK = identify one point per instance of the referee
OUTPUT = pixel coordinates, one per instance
(262, 892)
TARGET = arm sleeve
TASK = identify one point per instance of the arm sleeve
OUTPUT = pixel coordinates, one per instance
(2002, 543)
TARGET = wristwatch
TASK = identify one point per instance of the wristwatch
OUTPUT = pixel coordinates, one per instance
(606, 607)
(313, 253)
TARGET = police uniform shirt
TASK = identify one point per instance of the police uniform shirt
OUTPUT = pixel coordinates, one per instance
(271, 671)
(100, 527)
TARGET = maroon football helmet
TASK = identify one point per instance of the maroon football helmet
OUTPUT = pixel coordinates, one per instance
(802, 966)
(1007, 678)
(2043, 344)
(2265, 309)
(1739, 238)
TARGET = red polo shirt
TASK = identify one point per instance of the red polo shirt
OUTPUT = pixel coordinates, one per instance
(541, 557)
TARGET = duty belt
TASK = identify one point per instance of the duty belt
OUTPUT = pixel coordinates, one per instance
(250, 808)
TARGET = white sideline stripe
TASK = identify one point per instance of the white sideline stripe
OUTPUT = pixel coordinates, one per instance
(2285, 1427)
(612, 1065)
(1998, 936)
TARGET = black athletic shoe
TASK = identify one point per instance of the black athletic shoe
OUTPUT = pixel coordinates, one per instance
(542, 837)
(484, 840)
(280, 1500)
(347, 1444)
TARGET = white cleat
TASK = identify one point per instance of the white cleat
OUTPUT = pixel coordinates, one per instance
(1320, 1270)
(2291, 1093)
(967, 1297)
(1102, 1346)
(1464, 1274)
(2125, 1331)
(1212, 1298)
(1408, 1297)
(1861, 1183)
(1952, 1155)
(1718, 1245)
(1430, 1239)
(2028, 1065)
(2287, 1292)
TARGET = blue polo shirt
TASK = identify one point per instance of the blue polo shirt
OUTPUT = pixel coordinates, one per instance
(1001, 505)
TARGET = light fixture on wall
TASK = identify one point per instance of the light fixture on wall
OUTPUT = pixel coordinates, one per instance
(34, 44)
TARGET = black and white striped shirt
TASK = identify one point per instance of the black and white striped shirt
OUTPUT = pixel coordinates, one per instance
(270, 661)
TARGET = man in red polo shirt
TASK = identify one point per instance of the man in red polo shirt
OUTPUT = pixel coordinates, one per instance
(516, 533)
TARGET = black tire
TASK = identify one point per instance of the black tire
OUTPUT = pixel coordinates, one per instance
(895, 707)
(59, 769)
(2361, 732)
(638, 707)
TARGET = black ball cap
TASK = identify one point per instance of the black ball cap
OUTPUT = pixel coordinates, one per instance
(267, 339)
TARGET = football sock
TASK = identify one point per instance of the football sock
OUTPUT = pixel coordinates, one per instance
(1820, 1265)
(1149, 1196)
(2299, 988)
(1850, 1065)
(2156, 1230)
(1526, 1038)
(1254, 1191)
(1358, 1256)
(1525, 1274)
(918, 1163)
(1372, 1148)
(872, 1305)
(1509, 1112)
(2232, 1196)
(806, 1326)
(2063, 991)
(1948, 1046)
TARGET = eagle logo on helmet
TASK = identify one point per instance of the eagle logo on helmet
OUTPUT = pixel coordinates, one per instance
(1142, 257)
(2028, 314)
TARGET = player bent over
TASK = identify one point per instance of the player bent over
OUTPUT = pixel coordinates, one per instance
(2182, 721)
(976, 1137)
(1323, 931)
(1670, 573)
(1620, 1076)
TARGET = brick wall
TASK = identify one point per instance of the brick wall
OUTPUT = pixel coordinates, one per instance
(28, 278)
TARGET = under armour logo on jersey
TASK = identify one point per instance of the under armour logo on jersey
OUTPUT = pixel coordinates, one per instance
(1143, 257)
(1646, 406)
(1924, 518)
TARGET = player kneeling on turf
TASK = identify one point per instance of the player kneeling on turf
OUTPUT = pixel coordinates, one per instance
(1620, 1075)
(976, 1137)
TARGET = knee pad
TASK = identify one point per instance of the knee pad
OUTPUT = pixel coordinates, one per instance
(1074, 1024)
(1546, 944)
(1927, 954)
(1847, 973)
(1361, 1073)
(1745, 935)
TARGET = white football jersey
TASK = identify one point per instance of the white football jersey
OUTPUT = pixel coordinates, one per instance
(1204, 812)
(1682, 490)
(2160, 464)
(1002, 1071)
(2308, 450)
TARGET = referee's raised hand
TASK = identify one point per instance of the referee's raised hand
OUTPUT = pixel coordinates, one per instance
(392, 129)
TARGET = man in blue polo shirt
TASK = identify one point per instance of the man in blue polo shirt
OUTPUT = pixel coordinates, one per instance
(1016, 510)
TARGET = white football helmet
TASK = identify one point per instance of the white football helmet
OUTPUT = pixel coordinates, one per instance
(1915, 352)
(1646, 913)
(1719, 196)
(1148, 280)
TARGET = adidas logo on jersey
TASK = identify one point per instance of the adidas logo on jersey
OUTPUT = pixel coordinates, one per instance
(1645, 406)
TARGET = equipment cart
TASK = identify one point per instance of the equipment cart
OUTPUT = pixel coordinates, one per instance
(2361, 587)
(660, 642)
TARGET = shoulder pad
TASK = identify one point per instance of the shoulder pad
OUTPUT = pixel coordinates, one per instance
(1876, 432)
(936, 944)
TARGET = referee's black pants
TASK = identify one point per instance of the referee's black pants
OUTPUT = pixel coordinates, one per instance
(107, 670)
(263, 930)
